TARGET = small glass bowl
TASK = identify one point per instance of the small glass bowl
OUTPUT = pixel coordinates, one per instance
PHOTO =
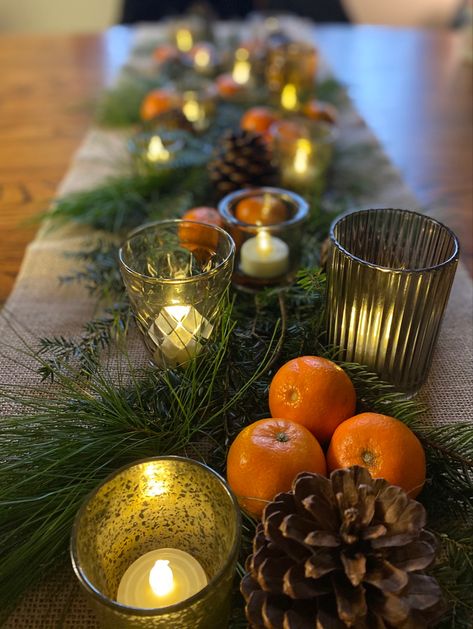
(266, 254)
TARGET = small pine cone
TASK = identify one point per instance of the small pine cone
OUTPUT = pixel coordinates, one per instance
(348, 551)
(243, 160)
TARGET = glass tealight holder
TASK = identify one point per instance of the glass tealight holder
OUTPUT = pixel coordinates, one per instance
(290, 74)
(162, 507)
(198, 101)
(266, 225)
(164, 148)
(176, 274)
(389, 278)
(305, 158)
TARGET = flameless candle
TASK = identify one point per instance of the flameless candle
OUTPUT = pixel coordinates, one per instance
(264, 256)
(289, 97)
(242, 68)
(178, 331)
(161, 578)
(157, 152)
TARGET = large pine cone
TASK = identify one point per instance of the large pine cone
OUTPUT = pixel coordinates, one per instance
(243, 160)
(348, 551)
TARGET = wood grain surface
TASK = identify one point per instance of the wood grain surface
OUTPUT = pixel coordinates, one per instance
(410, 86)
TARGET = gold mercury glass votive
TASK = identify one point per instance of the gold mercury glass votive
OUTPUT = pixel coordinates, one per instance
(266, 224)
(163, 533)
(389, 278)
(176, 274)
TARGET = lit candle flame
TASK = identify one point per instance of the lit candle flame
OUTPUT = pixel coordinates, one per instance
(161, 578)
(202, 58)
(264, 242)
(192, 110)
(184, 39)
(289, 99)
(157, 152)
(242, 68)
(178, 312)
(301, 158)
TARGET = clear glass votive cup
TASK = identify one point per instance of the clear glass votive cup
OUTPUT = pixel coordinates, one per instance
(390, 273)
(160, 503)
(304, 150)
(267, 250)
(176, 274)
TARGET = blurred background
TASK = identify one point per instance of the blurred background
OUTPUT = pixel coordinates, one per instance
(76, 16)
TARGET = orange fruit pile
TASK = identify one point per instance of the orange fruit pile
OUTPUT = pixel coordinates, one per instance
(266, 456)
(312, 399)
(314, 392)
(382, 444)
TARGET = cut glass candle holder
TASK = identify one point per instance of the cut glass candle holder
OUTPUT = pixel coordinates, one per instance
(176, 275)
(267, 242)
(389, 278)
(171, 504)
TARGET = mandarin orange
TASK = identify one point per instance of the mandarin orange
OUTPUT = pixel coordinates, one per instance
(258, 119)
(318, 110)
(157, 102)
(265, 457)
(261, 209)
(192, 236)
(314, 392)
(382, 444)
(226, 86)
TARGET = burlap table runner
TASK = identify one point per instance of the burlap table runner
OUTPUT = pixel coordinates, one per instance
(41, 306)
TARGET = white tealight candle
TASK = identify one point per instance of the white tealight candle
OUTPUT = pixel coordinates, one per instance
(264, 256)
(161, 578)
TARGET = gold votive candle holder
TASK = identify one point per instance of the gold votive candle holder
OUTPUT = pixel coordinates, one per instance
(290, 73)
(176, 274)
(390, 272)
(169, 506)
(267, 238)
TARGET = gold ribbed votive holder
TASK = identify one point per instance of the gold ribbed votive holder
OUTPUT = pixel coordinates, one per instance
(176, 274)
(168, 505)
(390, 272)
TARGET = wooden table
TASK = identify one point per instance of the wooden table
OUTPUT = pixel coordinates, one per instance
(410, 86)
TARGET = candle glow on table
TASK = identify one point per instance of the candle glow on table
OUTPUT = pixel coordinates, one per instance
(264, 256)
(178, 331)
(160, 578)
(157, 152)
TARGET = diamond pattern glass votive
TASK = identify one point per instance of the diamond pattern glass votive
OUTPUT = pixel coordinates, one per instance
(176, 274)
(167, 507)
(266, 225)
(389, 278)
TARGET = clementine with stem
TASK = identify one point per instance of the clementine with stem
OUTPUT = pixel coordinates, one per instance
(266, 456)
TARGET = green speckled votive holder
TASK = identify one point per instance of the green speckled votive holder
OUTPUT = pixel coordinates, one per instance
(164, 502)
